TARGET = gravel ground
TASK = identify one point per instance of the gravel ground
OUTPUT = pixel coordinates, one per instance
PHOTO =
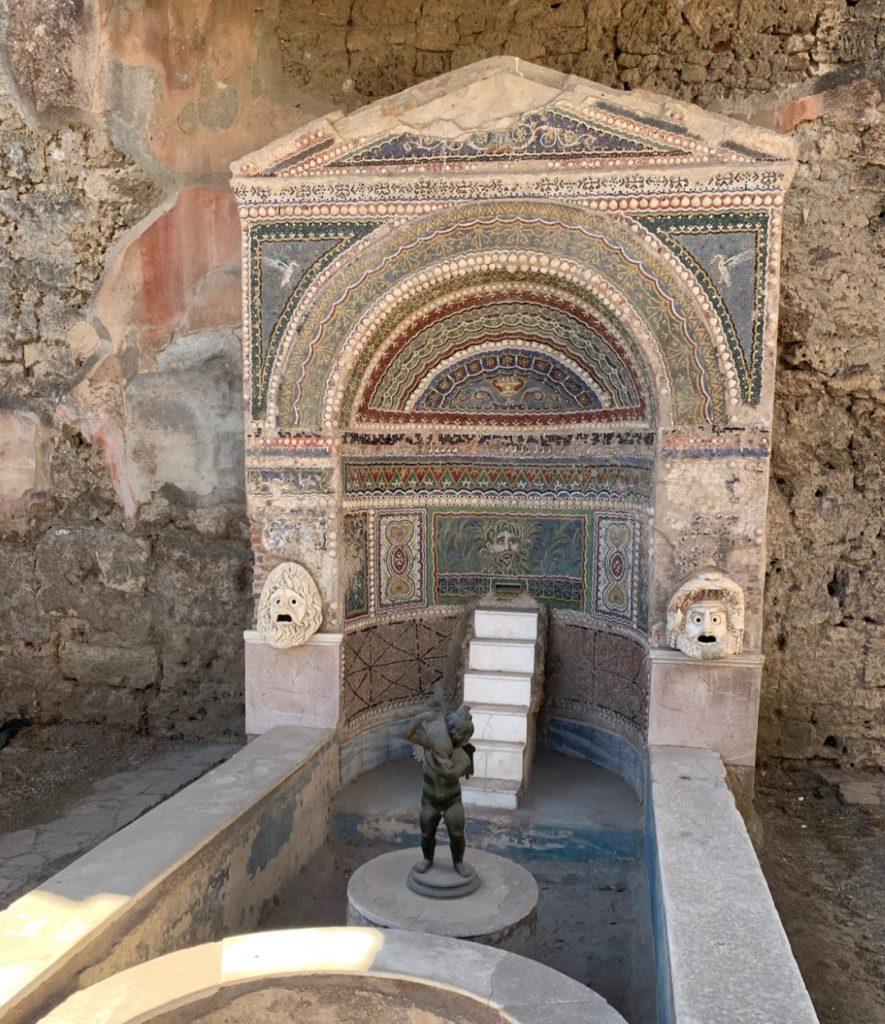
(825, 864)
(43, 769)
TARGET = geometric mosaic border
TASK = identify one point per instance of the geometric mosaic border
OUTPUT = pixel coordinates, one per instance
(617, 480)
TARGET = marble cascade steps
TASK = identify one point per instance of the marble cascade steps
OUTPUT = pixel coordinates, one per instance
(498, 687)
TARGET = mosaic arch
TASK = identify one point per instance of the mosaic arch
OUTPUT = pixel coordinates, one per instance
(601, 291)
(493, 350)
(510, 325)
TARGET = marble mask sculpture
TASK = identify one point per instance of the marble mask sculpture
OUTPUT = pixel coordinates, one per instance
(705, 616)
(290, 609)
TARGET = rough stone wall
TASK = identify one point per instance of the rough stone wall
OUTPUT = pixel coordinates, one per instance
(124, 560)
(133, 432)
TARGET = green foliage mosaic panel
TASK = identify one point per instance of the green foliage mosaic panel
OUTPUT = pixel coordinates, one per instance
(355, 567)
(548, 554)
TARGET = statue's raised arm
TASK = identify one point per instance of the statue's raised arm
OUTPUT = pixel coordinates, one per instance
(429, 730)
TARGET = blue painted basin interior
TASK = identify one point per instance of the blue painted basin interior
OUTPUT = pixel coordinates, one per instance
(579, 830)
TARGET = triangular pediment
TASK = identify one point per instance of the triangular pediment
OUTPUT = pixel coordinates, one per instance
(504, 110)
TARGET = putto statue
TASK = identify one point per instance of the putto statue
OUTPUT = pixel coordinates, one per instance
(705, 616)
(446, 756)
(290, 609)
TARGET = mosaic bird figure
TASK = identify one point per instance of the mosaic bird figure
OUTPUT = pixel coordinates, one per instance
(724, 264)
(284, 269)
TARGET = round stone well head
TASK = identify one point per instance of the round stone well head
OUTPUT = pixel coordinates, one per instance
(346, 975)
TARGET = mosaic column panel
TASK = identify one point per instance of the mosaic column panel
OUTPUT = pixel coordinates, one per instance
(400, 559)
(615, 557)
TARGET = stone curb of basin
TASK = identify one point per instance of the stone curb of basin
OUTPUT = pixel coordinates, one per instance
(523, 991)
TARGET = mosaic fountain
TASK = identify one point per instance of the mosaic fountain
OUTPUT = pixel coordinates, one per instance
(512, 326)
(509, 347)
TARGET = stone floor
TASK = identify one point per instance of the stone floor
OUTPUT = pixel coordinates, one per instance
(579, 833)
(30, 855)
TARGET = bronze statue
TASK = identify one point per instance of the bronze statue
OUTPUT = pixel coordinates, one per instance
(447, 757)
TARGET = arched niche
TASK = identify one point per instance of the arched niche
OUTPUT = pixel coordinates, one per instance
(510, 324)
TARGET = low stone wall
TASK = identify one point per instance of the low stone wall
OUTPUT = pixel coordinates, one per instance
(597, 671)
(721, 952)
(374, 747)
(601, 746)
(202, 864)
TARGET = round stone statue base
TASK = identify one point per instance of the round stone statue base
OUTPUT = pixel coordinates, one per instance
(442, 882)
(500, 911)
